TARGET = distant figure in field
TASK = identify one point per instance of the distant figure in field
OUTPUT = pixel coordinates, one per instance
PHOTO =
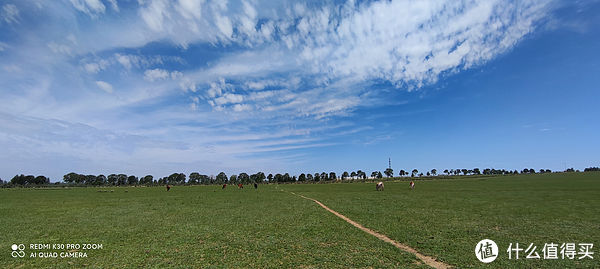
(224, 186)
(168, 187)
(412, 185)
(379, 186)
(255, 186)
(240, 186)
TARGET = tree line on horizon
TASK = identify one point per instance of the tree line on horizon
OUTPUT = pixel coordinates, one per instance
(196, 178)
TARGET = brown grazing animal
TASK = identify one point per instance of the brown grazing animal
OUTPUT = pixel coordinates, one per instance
(379, 186)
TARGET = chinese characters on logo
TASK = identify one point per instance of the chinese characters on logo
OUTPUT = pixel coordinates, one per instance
(486, 251)
(552, 251)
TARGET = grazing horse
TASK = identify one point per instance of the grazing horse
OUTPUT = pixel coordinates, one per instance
(240, 186)
(224, 186)
(168, 187)
(255, 186)
(379, 186)
(412, 185)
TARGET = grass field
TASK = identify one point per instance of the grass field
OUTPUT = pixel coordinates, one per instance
(204, 226)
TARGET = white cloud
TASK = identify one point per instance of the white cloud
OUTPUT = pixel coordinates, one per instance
(154, 14)
(293, 68)
(96, 67)
(229, 98)
(10, 13)
(90, 7)
(105, 86)
(60, 48)
(124, 60)
(114, 5)
(156, 74)
(241, 107)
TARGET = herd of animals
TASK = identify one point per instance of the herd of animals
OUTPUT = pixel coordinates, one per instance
(379, 186)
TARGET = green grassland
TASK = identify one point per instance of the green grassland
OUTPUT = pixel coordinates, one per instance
(204, 226)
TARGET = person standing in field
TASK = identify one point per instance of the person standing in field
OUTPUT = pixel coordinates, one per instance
(255, 186)
(168, 187)
(412, 185)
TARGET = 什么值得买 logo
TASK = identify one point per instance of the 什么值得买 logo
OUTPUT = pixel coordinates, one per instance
(486, 251)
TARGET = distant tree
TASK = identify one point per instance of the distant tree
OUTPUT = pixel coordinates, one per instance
(345, 175)
(243, 178)
(302, 177)
(29, 180)
(360, 174)
(148, 179)
(389, 172)
(204, 179)
(446, 172)
(317, 177)
(309, 177)
(332, 176)
(428, 173)
(550, 171)
(260, 176)
(353, 175)
(257, 178)
(89, 179)
(39, 180)
(287, 178)
(476, 171)
(121, 179)
(434, 172)
(374, 174)
(194, 178)
(100, 180)
(414, 172)
(379, 175)
(132, 180)
(324, 176)
(421, 174)
(464, 171)
(72, 178)
(270, 177)
(111, 179)
(402, 172)
(176, 179)
(570, 170)
(233, 179)
(221, 178)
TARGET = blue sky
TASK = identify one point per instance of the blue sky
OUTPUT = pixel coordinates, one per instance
(156, 87)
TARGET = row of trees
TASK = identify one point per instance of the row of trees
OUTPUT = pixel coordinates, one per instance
(244, 178)
(28, 180)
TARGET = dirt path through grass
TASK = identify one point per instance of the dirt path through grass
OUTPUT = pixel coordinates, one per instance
(431, 261)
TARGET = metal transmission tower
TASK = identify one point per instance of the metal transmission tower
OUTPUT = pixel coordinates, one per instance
(390, 163)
